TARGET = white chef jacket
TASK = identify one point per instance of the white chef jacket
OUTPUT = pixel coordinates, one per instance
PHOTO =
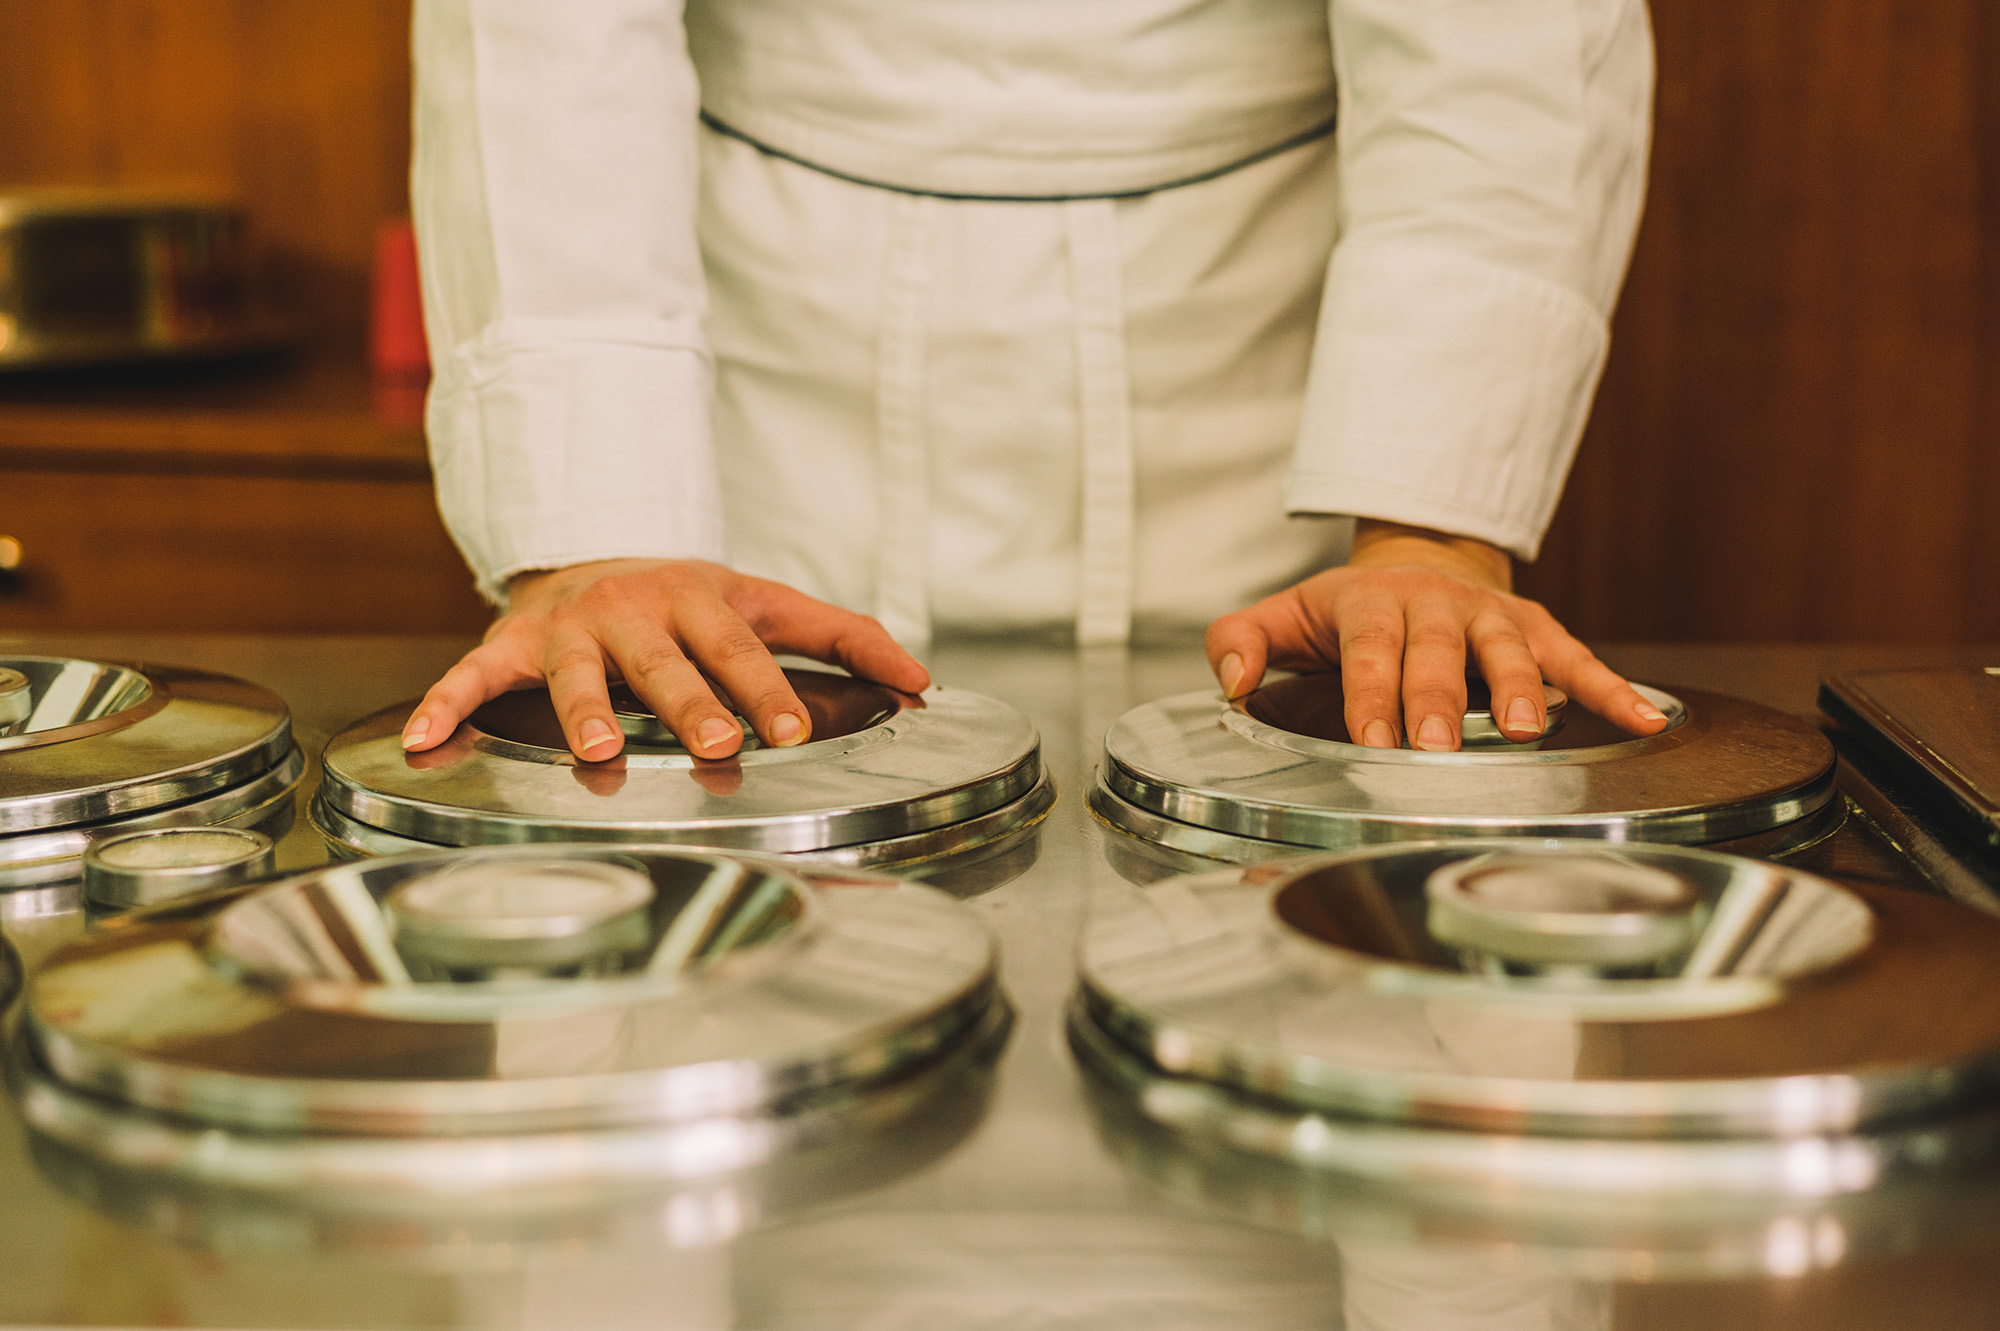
(958, 313)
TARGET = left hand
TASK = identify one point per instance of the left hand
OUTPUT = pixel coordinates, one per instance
(1401, 619)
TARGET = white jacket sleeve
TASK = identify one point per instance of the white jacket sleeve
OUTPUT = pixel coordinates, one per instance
(1492, 167)
(553, 186)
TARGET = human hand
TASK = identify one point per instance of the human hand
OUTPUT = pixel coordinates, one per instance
(1401, 620)
(666, 627)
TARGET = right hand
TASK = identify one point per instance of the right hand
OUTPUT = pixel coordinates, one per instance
(661, 625)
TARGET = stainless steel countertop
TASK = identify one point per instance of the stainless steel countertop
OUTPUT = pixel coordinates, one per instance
(1030, 1222)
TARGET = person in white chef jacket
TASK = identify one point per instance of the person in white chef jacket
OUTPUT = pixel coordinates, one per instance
(817, 326)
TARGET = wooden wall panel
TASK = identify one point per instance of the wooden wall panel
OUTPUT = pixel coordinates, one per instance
(193, 552)
(1794, 435)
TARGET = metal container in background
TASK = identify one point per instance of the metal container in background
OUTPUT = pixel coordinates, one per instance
(101, 276)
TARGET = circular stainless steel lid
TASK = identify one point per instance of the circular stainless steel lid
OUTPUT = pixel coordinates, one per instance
(141, 868)
(1788, 1007)
(102, 740)
(884, 765)
(1276, 767)
(55, 855)
(750, 994)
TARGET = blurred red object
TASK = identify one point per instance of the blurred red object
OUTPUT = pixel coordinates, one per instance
(396, 347)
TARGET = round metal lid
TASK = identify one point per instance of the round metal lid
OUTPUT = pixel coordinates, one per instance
(885, 765)
(141, 868)
(102, 740)
(1789, 1007)
(55, 855)
(751, 993)
(1276, 767)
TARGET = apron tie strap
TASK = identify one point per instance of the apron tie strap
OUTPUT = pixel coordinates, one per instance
(902, 464)
(1104, 599)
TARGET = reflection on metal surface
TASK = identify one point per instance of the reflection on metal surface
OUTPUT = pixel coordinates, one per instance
(53, 700)
(887, 779)
(1226, 780)
(1321, 984)
(306, 1010)
(145, 868)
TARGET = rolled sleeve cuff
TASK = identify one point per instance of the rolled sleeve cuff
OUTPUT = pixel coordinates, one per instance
(1445, 392)
(556, 444)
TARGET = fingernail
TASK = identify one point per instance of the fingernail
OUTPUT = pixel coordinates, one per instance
(1434, 734)
(1521, 717)
(595, 735)
(1379, 735)
(1648, 712)
(787, 729)
(714, 732)
(1230, 672)
(418, 731)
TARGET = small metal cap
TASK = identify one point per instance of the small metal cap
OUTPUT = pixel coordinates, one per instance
(498, 915)
(1481, 729)
(1589, 910)
(145, 868)
(17, 699)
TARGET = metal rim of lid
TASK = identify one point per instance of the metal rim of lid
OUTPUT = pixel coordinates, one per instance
(32, 859)
(1731, 769)
(533, 913)
(1763, 1078)
(1538, 1231)
(351, 838)
(196, 734)
(829, 1017)
(949, 758)
(400, 1180)
(1522, 1170)
(1188, 848)
(1530, 910)
(1478, 728)
(229, 855)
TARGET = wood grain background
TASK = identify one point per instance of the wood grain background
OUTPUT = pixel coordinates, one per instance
(1794, 435)
(1794, 438)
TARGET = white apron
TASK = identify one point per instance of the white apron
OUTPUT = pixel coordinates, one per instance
(1008, 313)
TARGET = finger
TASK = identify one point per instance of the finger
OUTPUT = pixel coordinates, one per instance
(1512, 676)
(1573, 668)
(790, 621)
(1371, 667)
(1434, 672)
(656, 668)
(485, 672)
(728, 652)
(1237, 645)
(573, 664)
